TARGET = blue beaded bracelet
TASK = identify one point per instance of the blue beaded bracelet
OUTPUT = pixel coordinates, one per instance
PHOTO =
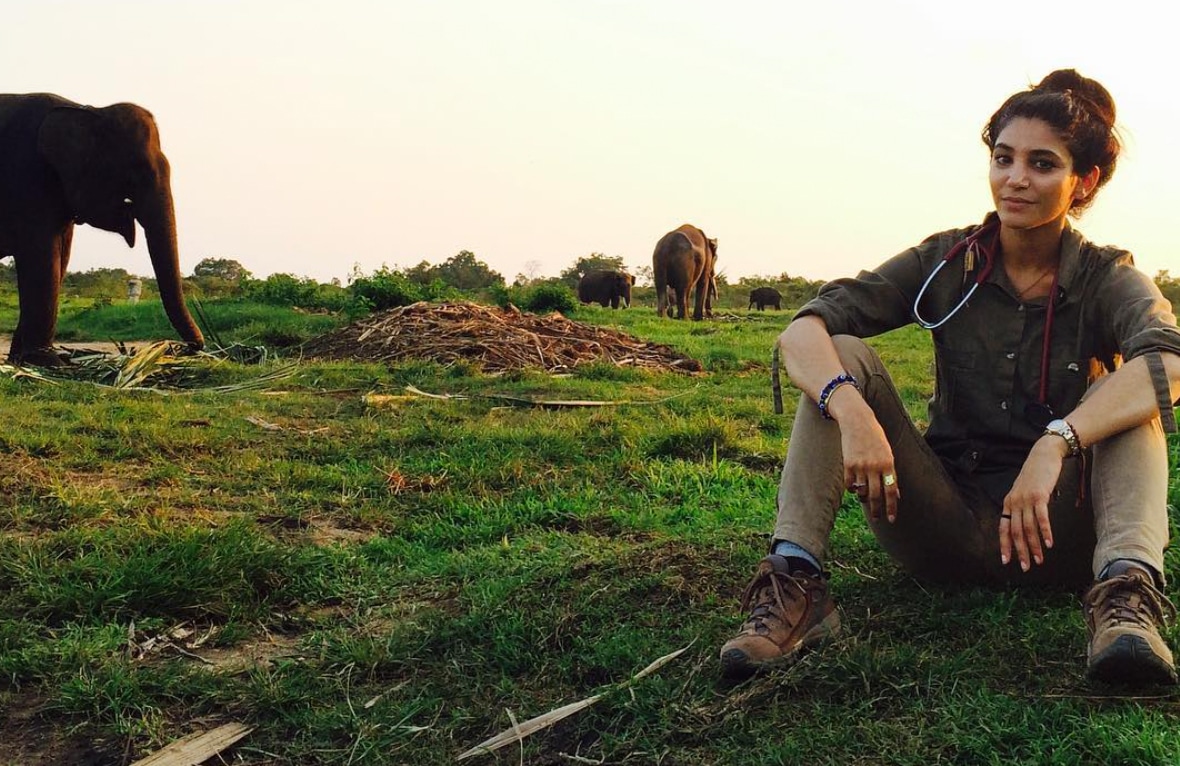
(842, 379)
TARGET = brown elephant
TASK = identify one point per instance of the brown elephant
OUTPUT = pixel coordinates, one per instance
(710, 299)
(766, 296)
(606, 287)
(63, 164)
(685, 259)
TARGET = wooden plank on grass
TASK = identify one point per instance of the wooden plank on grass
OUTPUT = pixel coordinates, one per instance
(197, 747)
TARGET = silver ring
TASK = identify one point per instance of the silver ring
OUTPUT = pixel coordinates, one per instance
(857, 485)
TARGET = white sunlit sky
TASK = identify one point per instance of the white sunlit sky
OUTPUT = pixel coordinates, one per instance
(315, 138)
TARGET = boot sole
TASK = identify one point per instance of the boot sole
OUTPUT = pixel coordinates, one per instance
(736, 664)
(1129, 661)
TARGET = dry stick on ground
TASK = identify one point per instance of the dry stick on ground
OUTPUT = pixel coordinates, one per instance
(519, 731)
(379, 400)
(198, 747)
(496, 339)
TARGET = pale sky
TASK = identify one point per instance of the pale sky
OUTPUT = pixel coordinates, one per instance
(815, 138)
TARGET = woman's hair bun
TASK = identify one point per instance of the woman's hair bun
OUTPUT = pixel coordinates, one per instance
(1069, 82)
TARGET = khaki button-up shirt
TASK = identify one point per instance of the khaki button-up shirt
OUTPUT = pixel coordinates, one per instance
(988, 355)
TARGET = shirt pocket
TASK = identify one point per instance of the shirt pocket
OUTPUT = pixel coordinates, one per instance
(955, 372)
(1068, 382)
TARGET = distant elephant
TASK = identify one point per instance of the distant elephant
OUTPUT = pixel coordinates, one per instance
(62, 164)
(766, 296)
(685, 259)
(606, 287)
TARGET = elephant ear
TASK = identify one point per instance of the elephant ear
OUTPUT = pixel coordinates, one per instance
(713, 246)
(67, 140)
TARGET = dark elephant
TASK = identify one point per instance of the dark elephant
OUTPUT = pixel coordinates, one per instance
(62, 164)
(766, 296)
(685, 259)
(606, 287)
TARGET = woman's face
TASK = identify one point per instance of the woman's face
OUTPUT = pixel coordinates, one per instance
(1032, 176)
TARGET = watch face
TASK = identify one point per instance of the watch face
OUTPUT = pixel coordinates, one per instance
(1065, 431)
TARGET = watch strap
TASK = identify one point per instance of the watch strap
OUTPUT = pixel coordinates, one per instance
(1063, 429)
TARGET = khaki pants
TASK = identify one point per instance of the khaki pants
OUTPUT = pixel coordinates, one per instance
(948, 530)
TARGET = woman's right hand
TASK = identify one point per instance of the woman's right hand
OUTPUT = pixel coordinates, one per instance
(868, 458)
(812, 362)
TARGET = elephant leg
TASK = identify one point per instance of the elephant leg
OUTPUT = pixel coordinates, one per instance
(681, 302)
(614, 302)
(698, 306)
(38, 281)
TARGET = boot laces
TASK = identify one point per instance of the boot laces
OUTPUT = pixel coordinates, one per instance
(766, 596)
(1130, 599)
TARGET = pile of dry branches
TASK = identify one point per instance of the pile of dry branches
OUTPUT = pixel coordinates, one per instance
(497, 340)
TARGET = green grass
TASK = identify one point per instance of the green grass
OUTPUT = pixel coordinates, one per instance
(388, 585)
(232, 321)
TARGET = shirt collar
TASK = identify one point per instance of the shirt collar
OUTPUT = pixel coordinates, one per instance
(1072, 242)
(1071, 259)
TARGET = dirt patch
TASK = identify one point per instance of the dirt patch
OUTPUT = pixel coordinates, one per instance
(30, 735)
(497, 340)
(80, 347)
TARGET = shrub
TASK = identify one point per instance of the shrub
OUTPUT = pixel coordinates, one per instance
(385, 289)
(286, 290)
(538, 298)
(544, 298)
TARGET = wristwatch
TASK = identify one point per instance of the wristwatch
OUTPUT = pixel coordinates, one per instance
(1063, 429)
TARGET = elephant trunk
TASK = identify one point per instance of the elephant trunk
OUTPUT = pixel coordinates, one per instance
(626, 294)
(158, 218)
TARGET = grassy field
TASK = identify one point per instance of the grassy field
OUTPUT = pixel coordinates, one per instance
(392, 580)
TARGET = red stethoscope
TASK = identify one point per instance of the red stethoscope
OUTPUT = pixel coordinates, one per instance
(982, 244)
(971, 248)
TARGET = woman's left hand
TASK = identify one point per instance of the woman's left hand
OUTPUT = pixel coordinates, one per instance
(1024, 523)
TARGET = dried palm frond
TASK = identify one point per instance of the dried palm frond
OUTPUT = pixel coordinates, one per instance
(139, 367)
(162, 366)
(22, 372)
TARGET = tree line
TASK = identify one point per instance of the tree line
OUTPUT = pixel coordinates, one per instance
(463, 276)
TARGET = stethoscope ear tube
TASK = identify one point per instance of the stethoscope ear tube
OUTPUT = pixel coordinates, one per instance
(931, 325)
(970, 247)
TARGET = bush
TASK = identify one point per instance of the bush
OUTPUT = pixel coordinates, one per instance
(538, 298)
(545, 298)
(286, 290)
(385, 289)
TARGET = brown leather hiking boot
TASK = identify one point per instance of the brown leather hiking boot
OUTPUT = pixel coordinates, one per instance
(1123, 615)
(789, 611)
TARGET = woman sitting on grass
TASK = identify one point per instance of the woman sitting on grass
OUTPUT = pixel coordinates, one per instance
(1057, 365)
